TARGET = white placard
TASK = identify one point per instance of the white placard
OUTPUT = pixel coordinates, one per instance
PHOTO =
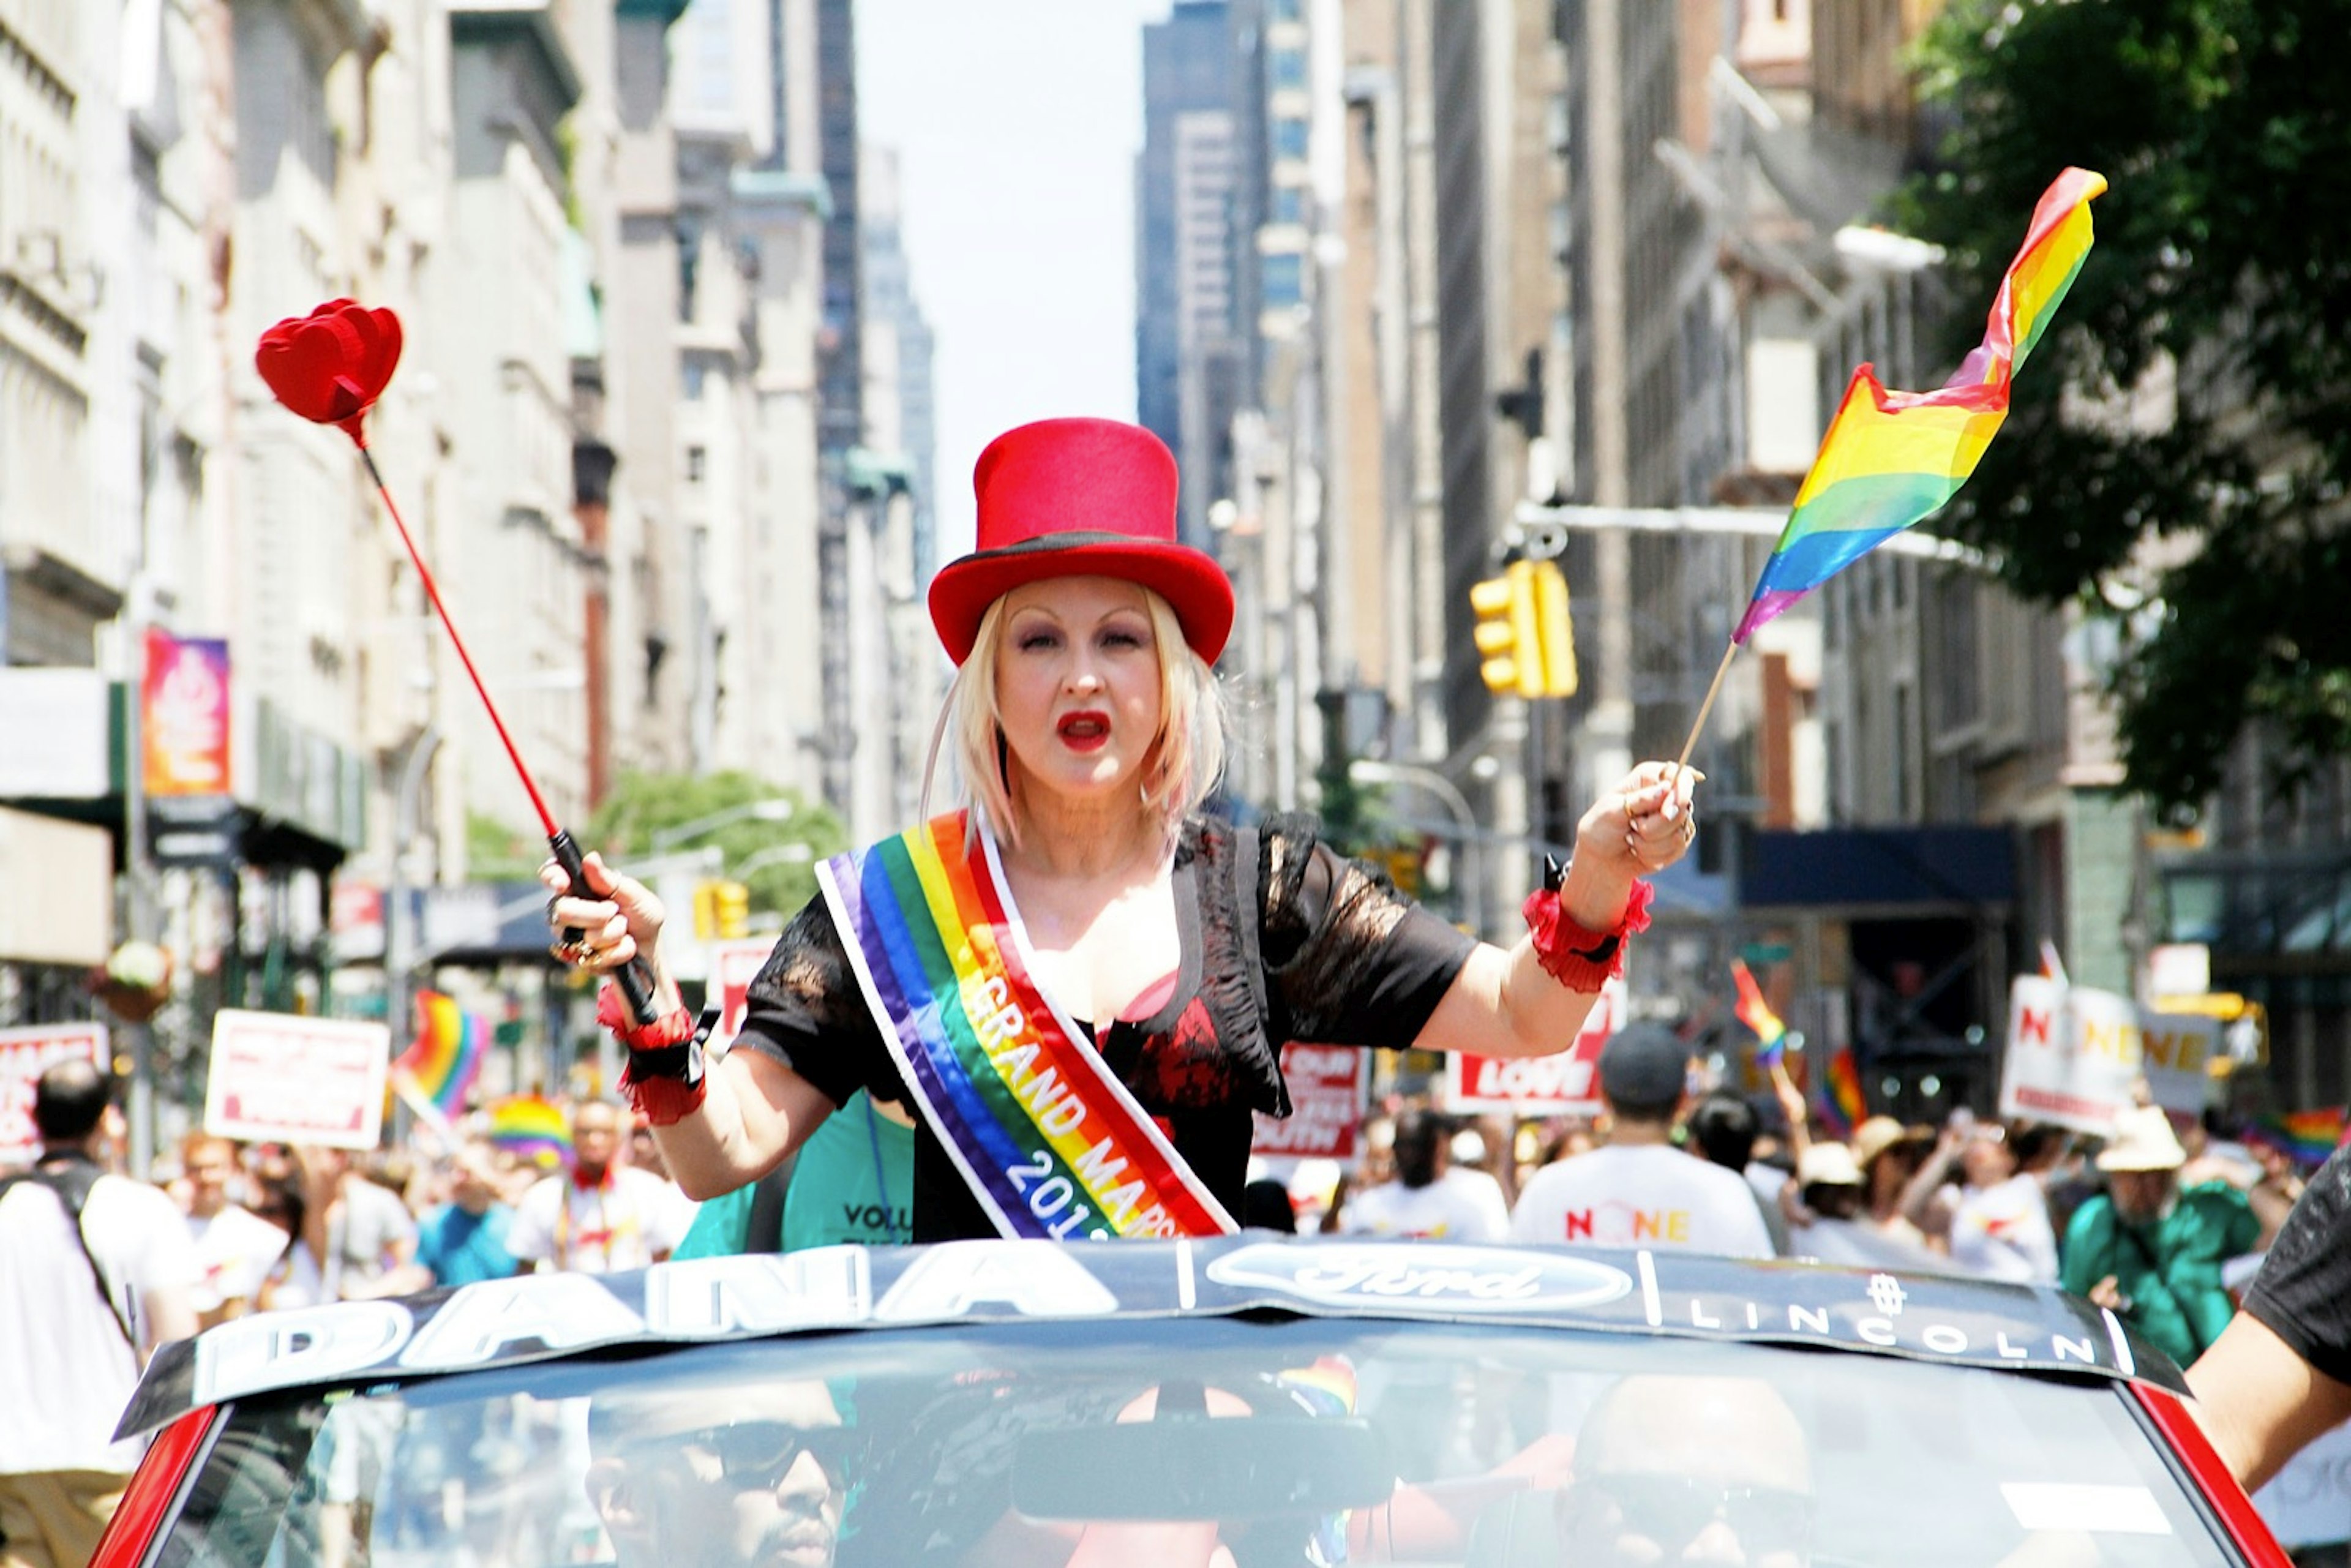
(2074, 1055)
(734, 963)
(280, 1077)
(1566, 1084)
(24, 1055)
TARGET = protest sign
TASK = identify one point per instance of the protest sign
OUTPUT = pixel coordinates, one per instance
(1328, 1087)
(279, 1078)
(2074, 1055)
(734, 963)
(1566, 1084)
(24, 1055)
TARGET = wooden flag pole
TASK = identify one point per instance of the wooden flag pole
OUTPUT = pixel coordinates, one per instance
(1707, 707)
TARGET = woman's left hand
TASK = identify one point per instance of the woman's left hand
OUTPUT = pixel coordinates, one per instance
(1642, 825)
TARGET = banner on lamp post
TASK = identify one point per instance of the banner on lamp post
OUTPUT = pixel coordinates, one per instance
(184, 716)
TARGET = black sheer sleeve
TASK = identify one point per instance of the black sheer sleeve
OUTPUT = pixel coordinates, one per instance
(2304, 1290)
(804, 1010)
(1349, 960)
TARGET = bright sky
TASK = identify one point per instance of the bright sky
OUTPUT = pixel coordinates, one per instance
(1016, 123)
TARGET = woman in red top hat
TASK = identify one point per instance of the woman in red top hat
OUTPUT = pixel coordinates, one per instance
(1079, 983)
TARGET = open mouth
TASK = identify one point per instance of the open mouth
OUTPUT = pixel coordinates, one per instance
(1084, 731)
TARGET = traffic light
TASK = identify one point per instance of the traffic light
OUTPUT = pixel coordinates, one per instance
(1524, 630)
(1506, 634)
(705, 909)
(733, 902)
(1555, 630)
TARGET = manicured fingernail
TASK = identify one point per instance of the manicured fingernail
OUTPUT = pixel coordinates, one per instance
(1672, 808)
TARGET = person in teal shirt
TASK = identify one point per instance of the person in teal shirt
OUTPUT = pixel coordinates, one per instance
(854, 1180)
(464, 1241)
(2151, 1251)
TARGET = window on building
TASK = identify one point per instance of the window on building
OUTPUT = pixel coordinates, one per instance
(1284, 281)
(1287, 70)
(1289, 138)
(690, 378)
(1285, 10)
(698, 460)
(1289, 206)
(1904, 806)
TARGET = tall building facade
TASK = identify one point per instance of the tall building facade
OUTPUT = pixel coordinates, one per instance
(1190, 353)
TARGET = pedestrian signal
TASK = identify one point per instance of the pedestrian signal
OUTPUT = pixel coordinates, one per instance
(733, 909)
(1524, 630)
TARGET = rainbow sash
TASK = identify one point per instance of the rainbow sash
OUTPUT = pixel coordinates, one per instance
(1051, 1143)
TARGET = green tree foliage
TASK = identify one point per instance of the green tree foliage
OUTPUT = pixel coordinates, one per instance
(2213, 540)
(497, 852)
(782, 855)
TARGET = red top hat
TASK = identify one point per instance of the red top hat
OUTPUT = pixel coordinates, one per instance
(1079, 498)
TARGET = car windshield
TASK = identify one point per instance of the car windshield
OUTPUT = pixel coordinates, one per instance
(1217, 1442)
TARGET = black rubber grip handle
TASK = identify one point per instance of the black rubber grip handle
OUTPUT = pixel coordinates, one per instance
(636, 977)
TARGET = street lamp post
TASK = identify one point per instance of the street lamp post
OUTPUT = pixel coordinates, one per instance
(1365, 771)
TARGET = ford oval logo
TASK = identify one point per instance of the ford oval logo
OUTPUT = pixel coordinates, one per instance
(1461, 1278)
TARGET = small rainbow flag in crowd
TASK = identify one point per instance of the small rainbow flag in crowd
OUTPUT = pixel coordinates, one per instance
(1842, 1106)
(531, 1128)
(2305, 1137)
(1890, 458)
(445, 1058)
(1771, 1034)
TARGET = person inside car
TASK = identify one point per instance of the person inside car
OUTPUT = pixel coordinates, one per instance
(1083, 978)
(725, 1477)
(1673, 1468)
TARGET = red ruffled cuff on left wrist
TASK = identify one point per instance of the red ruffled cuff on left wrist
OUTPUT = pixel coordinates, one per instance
(1575, 956)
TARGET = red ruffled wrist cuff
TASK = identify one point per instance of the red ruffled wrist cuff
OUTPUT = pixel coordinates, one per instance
(1576, 957)
(664, 1078)
(674, 1027)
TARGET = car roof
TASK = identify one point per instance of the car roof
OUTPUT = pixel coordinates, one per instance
(528, 1318)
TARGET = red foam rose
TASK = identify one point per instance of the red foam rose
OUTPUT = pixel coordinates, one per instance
(331, 365)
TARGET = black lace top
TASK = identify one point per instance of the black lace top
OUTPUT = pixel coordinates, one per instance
(1329, 951)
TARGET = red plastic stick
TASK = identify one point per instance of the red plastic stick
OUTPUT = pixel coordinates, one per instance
(432, 592)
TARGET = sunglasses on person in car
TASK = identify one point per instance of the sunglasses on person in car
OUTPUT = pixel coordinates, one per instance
(761, 1453)
(1673, 1511)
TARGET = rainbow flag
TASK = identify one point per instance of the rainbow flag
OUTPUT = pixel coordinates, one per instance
(1841, 1105)
(2305, 1137)
(445, 1058)
(533, 1128)
(1891, 458)
(1771, 1034)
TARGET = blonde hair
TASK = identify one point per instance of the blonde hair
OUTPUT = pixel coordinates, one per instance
(1188, 751)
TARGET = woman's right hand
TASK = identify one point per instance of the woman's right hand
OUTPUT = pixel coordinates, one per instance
(619, 919)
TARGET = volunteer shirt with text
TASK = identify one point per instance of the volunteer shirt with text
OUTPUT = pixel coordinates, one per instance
(1642, 1195)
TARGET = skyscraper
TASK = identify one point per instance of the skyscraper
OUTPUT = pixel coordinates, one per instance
(1186, 349)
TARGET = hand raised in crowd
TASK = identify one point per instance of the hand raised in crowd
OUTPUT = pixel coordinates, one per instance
(1642, 825)
(603, 931)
